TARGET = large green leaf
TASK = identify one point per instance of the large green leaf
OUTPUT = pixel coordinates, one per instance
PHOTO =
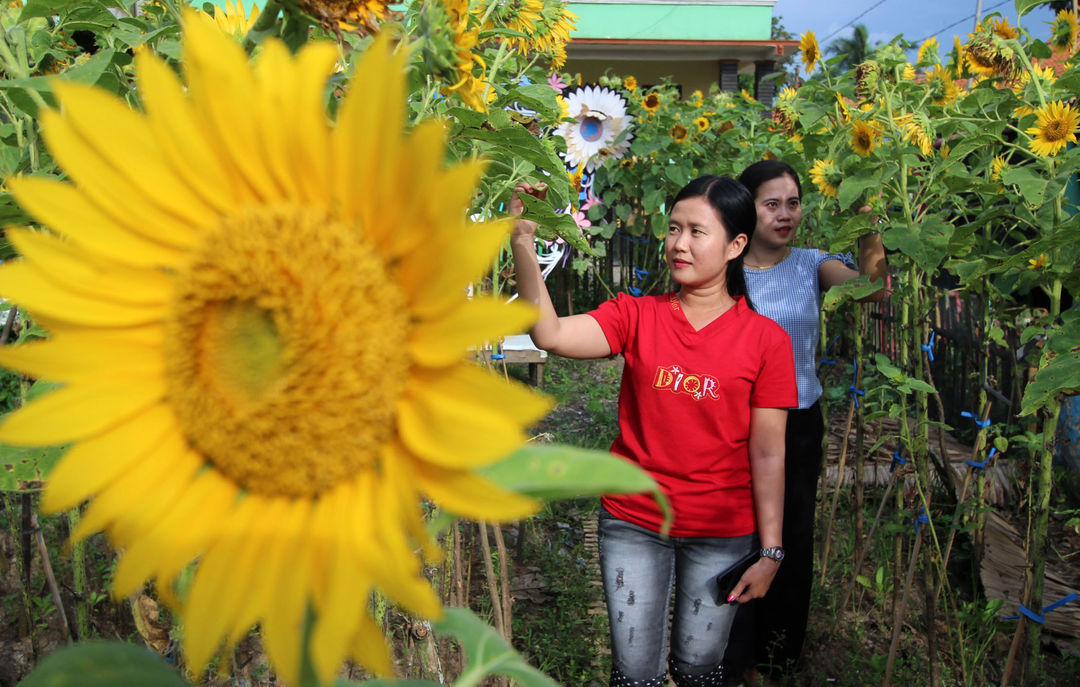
(103, 664)
(554, 224)
(852, 187)
(26, 464)
(1059, 376)
(487, 653)
(1025, 6)
(1031, 184)
(556, 471)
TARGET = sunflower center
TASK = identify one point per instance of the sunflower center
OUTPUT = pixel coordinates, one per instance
(1056, 130)
(285, 352)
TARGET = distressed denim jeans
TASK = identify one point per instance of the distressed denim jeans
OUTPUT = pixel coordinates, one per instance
(639, 569)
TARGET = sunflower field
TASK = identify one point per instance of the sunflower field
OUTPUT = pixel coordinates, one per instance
(251, 258)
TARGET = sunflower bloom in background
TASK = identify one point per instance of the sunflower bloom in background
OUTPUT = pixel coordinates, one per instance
(1038, 263)
(630, 84)
(466, 36)
(359, 16)
(1055, 125)
(996, 166)
(651, 102)
(826, 176)
(701, 123)
(553, 31)
(678, 133)
(233, 19)
(1063, 31)
(928, 53)
(260, 323)
(913, 128)
(864, 137)
(810, 53)
(516, 15)
(942, 86)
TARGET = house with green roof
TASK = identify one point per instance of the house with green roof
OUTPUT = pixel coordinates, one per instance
(696, 42)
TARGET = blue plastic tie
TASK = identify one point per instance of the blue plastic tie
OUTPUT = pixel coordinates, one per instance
(1040, 618)
(979, 466)
(897, 460)
(826, 360)
(923, 519)
(929, 346)
(983, 424)
(497, 354)
(634, 291)
(855, 391)
(640, 274)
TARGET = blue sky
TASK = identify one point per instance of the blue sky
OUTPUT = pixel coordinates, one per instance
(884, 19)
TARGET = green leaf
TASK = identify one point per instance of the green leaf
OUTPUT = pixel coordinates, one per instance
(1036, 48)
(919, 385)
(853, 289)
(1025, 6)
(555, 471)
(1060, 375)
(19, 464)
(852, 188)
(487, 653)
(562, 225)
(103, 664)
(1031, 184)
(886, 368)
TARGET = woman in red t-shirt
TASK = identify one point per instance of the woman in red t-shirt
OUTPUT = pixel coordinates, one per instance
(702, 408)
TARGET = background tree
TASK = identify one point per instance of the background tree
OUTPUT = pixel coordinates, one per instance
(853, 50)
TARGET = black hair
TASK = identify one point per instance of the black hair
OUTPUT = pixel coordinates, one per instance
(734, 203)
(766, 170)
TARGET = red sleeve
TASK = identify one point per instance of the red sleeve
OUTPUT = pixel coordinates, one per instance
(617, 319)
(775, 384)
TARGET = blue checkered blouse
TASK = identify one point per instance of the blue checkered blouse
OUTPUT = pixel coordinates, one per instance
(788, 293)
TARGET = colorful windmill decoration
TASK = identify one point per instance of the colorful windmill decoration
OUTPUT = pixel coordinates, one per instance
(600, 128)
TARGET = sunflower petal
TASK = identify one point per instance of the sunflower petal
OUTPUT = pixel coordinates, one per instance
(41, 295)
(79, 411)
(69, 266)
(108, 189)
(469, 495)
(91, 464)
(64, 209)
(285, 617)
(122, 136)
(445, 340)
(311, 151)
(62, 362)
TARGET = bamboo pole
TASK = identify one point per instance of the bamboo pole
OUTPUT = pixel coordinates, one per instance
(836, 493)
(898, 617)
(50, 578)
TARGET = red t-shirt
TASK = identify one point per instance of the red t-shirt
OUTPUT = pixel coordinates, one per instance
(684, 408)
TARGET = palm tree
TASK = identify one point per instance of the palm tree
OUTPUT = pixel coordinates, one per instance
(854, 50)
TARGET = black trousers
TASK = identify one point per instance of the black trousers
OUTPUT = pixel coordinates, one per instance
(768, 633)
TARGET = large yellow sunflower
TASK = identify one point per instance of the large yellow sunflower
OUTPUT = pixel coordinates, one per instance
(651, 102)
(1063, 32)
(914, 128)
(825, 175)
(864, 137)
(260, 322)
(808, 46)
(516, 15)
(1055, 125)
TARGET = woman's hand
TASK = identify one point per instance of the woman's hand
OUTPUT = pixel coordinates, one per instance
(755, 581)
(525, 228)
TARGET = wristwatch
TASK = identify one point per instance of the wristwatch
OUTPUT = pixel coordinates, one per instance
(774, 552)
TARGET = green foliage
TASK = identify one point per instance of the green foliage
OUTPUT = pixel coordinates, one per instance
(103, 664)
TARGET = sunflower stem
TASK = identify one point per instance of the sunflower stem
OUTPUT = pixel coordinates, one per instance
(267, 20)
(308, 676)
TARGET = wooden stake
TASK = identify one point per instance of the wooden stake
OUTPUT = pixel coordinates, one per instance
(836, 493)
(898, 618)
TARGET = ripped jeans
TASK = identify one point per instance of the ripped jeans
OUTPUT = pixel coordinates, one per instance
(639, 569)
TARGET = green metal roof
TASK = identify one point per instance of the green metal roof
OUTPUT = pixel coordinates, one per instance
(688, 20)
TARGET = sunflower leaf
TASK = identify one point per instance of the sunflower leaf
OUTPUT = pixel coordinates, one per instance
(556, 471)
(103, 664)
(486, 651)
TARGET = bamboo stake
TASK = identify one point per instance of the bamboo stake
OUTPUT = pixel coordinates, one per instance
(865, 549)
(979, 442)
(836, 493)
(898, 618)
(50, 578)
(493, 582)
(504, 580)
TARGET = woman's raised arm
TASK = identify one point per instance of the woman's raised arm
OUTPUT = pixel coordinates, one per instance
(576, 336)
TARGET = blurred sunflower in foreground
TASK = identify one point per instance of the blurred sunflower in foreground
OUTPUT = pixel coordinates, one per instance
(260, 324)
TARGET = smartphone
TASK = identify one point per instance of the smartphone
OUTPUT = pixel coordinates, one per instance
(726, 581)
